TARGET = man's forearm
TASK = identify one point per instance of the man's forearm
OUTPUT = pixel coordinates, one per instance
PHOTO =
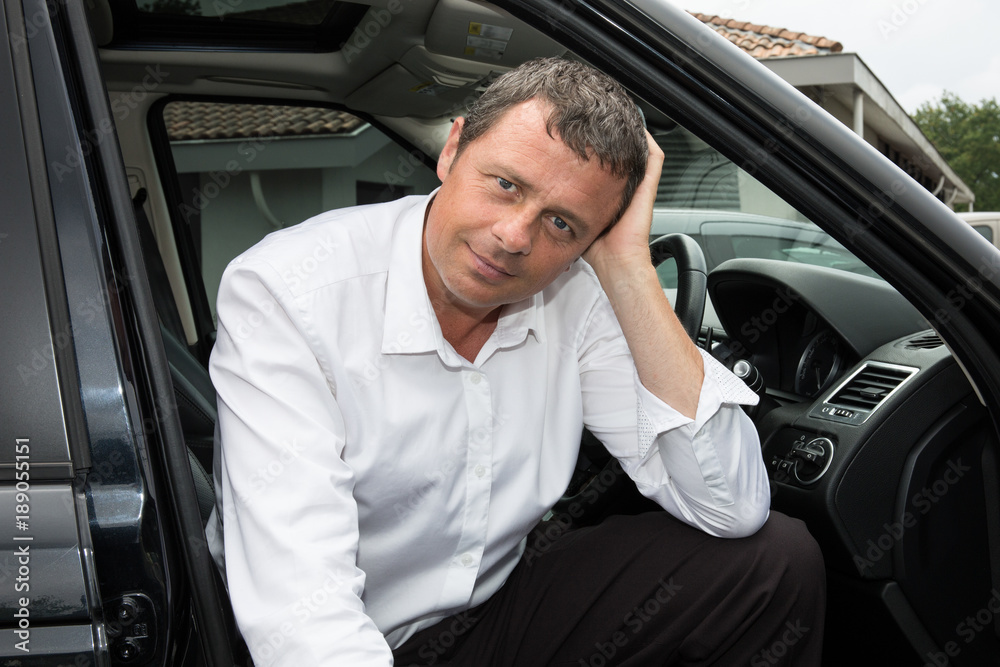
(668, 363)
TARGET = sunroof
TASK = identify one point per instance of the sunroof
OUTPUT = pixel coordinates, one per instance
(310, 12)
(258, 25)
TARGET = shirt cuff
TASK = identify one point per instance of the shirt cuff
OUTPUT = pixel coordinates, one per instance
(719, 387)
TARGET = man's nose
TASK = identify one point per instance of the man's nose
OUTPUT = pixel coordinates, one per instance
(515, 231)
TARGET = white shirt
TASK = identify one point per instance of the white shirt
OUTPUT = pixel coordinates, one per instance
(372, 481)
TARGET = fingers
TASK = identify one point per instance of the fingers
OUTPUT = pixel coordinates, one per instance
(640, 210)
(654, 163)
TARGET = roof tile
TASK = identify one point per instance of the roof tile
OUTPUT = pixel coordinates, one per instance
(212, 120)
(762, 41)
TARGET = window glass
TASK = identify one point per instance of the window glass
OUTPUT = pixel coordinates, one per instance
(309, 12)
(985, 231)
(246, 170)
(730, 213)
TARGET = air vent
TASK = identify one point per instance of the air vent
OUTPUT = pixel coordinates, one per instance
(869, 387)
(924, 341)
(859, 396)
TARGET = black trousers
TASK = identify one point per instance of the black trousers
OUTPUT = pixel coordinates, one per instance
(643, 591)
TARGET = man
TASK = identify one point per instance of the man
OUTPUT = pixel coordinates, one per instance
(401, 391)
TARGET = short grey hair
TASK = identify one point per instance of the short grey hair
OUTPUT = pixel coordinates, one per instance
(591, 113)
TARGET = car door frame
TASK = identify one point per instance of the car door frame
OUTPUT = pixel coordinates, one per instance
(154, 589)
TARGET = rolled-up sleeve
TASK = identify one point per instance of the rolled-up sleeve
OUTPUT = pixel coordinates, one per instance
(707, 471)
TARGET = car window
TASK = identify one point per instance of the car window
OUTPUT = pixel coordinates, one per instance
(731, 214)
(985, 230)
(280, 25)
(310, 13)
(246, 170)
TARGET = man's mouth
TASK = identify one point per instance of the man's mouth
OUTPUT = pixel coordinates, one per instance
(488, 268)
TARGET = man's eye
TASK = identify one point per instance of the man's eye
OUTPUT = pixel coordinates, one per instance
(560, 224)
(505, 184)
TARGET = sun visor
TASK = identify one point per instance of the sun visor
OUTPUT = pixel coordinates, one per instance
(424, 85)
(480, 32)
(467, 45)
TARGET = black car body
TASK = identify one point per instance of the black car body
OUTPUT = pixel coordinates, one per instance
(880, 433)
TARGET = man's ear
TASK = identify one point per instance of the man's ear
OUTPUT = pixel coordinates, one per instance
(450, 150)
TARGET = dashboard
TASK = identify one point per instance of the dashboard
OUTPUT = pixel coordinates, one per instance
(802, 325)
(865, 425)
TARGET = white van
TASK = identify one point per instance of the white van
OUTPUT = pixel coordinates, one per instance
(986, 223)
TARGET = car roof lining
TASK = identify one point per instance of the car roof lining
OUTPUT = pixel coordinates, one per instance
(424, 59)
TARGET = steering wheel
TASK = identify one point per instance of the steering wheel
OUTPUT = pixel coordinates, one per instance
(594, 460)
(692, 278)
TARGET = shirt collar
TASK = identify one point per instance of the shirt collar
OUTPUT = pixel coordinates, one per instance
(519, 319)
(411, 327)
(410, 323)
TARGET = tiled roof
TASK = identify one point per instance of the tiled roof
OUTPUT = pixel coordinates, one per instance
(213, 120)
(762, 41)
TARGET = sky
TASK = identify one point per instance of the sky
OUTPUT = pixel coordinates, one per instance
(917, 48)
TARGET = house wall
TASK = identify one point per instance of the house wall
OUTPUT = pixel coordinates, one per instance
(226, 219)
(696, 176)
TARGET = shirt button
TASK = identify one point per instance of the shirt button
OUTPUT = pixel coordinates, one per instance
(480, 471)
(466, 560)
(475, 378)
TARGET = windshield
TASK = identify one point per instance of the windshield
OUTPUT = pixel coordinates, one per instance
(725, 235)
(731, 214)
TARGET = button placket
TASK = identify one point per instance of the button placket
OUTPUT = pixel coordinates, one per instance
(479, 456)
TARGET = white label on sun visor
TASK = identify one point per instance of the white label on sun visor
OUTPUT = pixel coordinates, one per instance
(483, 43)
(490, 31)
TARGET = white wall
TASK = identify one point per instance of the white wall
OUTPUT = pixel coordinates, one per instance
(231, 220)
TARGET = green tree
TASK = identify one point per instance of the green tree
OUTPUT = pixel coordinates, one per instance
(968, 138)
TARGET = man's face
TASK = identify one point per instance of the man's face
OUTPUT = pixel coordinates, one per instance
(513, 212)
